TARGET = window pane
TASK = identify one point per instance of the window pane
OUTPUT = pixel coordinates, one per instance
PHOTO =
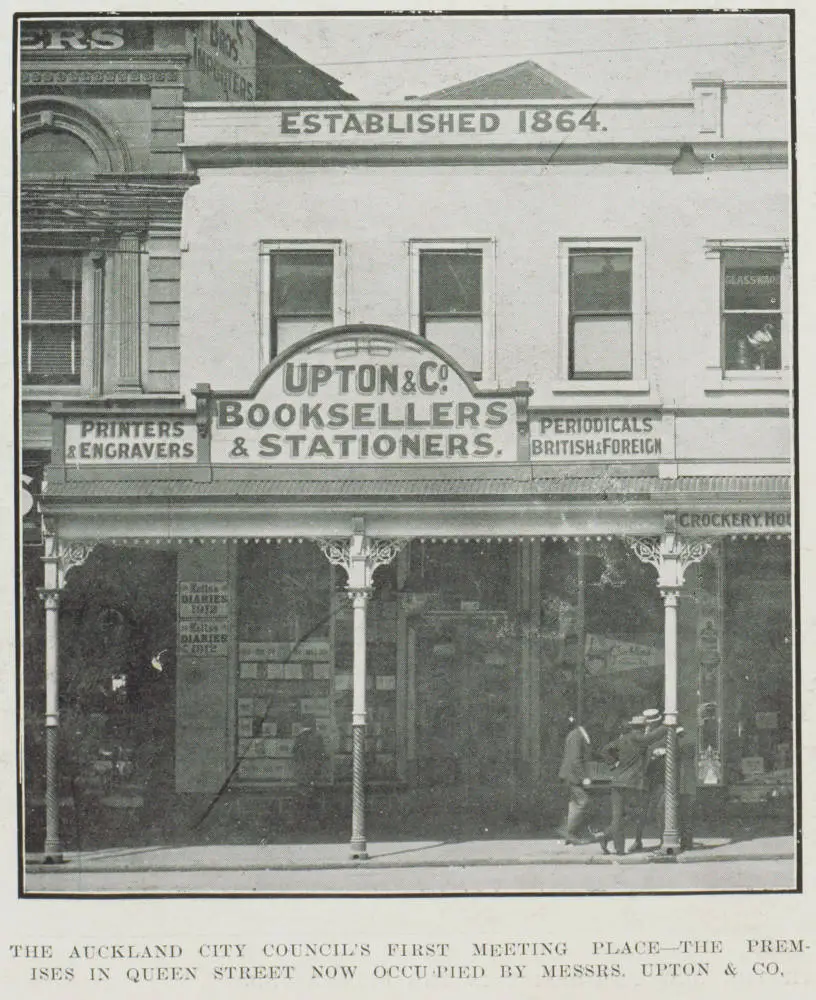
(52, 288)
(752, 341)
(58, 153)
(51, 354)
(461, 338)
(302, 283)
(602, 347)
(450, 282)
(600, 281)
(751, 280)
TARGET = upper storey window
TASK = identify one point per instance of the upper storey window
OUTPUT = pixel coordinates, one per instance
(51, 319)
(452, 300)
(450, 303)
(751, 309)
(302, 295)
(600, 313)
(302, 291)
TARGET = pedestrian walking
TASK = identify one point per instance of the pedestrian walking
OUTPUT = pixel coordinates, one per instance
(574, 772)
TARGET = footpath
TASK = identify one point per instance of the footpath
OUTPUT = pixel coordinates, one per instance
(398, 854)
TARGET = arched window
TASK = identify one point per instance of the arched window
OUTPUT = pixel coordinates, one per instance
(58, 137)
(51, 152)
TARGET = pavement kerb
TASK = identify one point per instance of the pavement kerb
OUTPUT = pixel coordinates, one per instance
(80, 865)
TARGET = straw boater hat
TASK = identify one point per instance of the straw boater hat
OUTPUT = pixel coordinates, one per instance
(652, 715)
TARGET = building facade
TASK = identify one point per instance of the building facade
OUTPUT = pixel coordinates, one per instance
(484, 419)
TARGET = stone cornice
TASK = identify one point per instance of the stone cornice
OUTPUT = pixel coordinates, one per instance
(125, 70)
(103, 204)
(711, 155)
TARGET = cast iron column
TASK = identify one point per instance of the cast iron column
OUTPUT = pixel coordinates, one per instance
(671, 557)
(671, 830)
(359, 598)
(359, 556)
(58, 559)
(52, 853)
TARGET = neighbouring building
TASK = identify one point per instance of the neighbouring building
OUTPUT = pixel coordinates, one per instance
(101, 180)
(482, 416)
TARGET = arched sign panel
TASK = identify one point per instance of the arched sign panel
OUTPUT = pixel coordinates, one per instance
(363, 396)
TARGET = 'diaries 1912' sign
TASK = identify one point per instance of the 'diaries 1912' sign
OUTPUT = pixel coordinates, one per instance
(364, 398)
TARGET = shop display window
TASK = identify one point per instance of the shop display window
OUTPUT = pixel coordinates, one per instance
(601, 638)
(759, 670)
(294, 689)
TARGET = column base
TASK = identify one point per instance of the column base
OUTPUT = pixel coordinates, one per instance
(52, 856)
(359, 852)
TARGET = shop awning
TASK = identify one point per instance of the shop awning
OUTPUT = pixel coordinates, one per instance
(404, 483)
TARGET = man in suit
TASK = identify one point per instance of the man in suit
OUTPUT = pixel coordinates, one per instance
(574, 773)
(654, 780)
(628, 755)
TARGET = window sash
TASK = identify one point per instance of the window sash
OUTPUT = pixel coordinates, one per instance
(601, 317)
(301, 283)
(300, 301)
(52, 353)
(450, 284)
(751, 310)
(51, 319)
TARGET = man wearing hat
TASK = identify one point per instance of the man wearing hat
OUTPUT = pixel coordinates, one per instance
(654, 779)
(627, 754)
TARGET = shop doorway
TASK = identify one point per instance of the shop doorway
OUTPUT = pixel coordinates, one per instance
(465, 670)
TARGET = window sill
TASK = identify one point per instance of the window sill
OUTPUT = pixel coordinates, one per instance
(716, 380)
(603, 386)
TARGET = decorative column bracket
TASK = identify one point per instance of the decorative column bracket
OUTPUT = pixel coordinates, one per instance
(671, 556)
(364, 557)
(61, 557)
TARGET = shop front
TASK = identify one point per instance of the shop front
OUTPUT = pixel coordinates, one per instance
(368, 586)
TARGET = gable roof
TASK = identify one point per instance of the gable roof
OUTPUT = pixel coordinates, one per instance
(525, 79)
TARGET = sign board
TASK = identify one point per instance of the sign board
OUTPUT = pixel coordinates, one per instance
(726, 522)
(203, 638)
(450, 123)
(77, 37)
(203, 600)
(222, 60)
(130, 441)
(203, 628)
(363, 398)
(611, 656)
(567, 436)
